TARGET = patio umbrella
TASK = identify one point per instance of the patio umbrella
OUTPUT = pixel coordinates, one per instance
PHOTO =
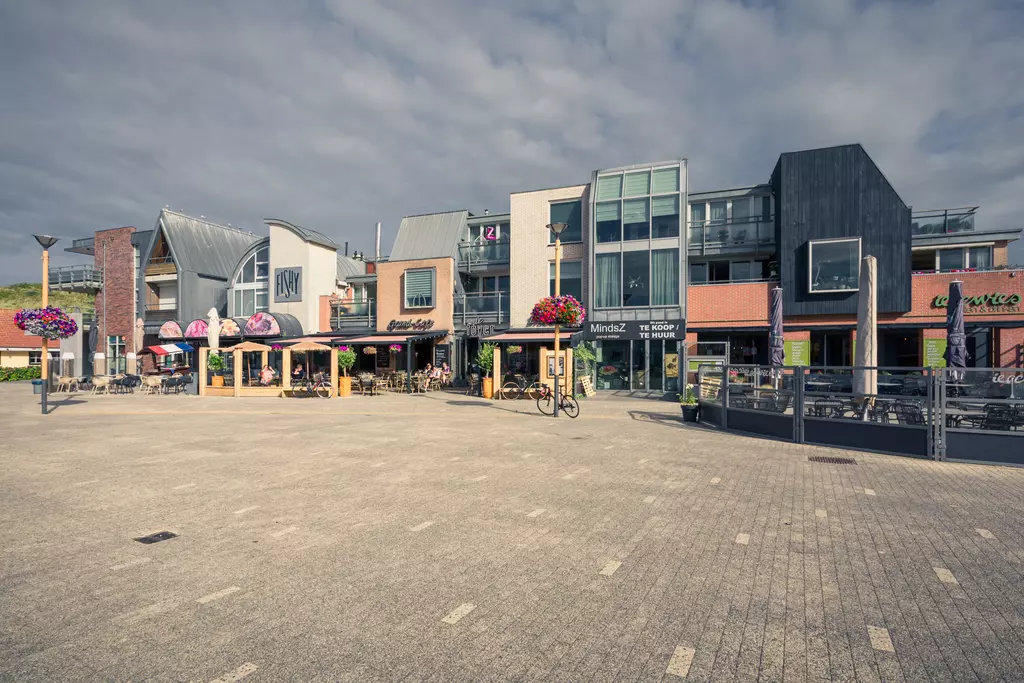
(137, 339)
(775, 339)
(213, 329)
(248, 346)
(956, 340)
(865, 374)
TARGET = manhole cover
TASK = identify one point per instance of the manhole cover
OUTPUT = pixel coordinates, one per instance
(157, 537)
(832, 461)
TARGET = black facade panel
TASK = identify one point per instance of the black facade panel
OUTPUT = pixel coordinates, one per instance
(833, 193)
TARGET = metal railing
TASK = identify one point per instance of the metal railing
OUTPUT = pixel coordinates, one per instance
(81, 277)
(942, 221)
(753, 234)
(353, 314)
(734, 282)
(484, 253)
(484, 307)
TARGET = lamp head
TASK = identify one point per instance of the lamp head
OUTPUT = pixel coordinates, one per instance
(45, 241)
(557, 228)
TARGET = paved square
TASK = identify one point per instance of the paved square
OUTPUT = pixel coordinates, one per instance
(298, 558)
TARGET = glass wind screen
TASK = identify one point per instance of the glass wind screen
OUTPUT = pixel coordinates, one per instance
(834, 265)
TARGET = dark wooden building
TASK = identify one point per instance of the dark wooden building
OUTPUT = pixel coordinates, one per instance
(836, 203)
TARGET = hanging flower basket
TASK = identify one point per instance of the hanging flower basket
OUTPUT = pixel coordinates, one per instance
(515, 348)
(558, 310)
(370, 350)
(275, 347)
(50, 322)
(343, 348)
(395, 348)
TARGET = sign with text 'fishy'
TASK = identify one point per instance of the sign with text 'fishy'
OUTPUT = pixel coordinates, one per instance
(287, 284)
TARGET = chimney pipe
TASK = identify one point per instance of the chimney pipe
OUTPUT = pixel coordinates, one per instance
(487, 212)
(376, 242)
(346, 248)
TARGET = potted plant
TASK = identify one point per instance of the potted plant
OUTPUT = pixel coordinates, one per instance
(485, 359)
(215, 364)
(688, 402)
(346, 359)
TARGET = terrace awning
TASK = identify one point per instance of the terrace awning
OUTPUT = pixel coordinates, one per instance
(169, 349)
(397, 338)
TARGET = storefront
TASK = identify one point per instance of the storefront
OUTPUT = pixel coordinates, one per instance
(636, 356)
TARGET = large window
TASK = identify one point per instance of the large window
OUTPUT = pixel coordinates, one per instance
(965, 257)
(636, 278)
(419, 288)
(607, 282)
(608, 219)
(833, 265)
(665, 277)
(572, 279)
(250, 290)
(570, 213)
(665, 216)
(116, 361)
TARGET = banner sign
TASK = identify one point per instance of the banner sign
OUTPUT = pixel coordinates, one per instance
(420, 325)
(635, 329)
(287, 284)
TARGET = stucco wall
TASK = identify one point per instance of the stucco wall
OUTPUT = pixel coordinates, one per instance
(319, 275)
(530, 253)
(391, 288)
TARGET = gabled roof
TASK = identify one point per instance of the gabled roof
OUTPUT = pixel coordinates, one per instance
(429, 236)
(13, 338)
(200, 246)
(305, 234)
(349, 267)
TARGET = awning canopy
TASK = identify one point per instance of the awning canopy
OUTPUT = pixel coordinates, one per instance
(169, 349)
(396, 338)
(248, 346)
(527, 337)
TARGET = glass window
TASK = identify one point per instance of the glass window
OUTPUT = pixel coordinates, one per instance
(665, 180)
(237, 309)
(697, 212)
(570, 213)
(612, 364)
(698, 273)
(980, 257)
(607, 283)
(419, 288)
(248, 273)
(834, 265)
(637, 184)
(718, 212)
(572, 279)
(665, 277)
(609, 187)
(665, 216)
(766, 208)
(261, 300)
(263, 264)
(951, 259)
(635, 219)
(718, 271)
(741, 210)
(636, 278)
(608, 219)
(248, 301)
(742, 270)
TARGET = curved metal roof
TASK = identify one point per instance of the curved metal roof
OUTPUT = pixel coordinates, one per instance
(305, 234)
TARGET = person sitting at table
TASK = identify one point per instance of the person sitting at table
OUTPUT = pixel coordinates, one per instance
(427, 370)
(267, 375)
(298, 373)
(435, 373)
(446, 373)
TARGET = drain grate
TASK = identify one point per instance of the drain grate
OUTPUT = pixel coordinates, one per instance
(832, 461)
(157, 537)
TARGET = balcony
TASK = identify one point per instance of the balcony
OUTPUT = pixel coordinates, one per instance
(942, 221)
(478, 256)
(353, 315)
(161, 265)
(77, 278)
(488, 307)
(728, 236)
(161, 312)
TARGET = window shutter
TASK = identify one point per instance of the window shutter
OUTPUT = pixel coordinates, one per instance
(419, 288)
(609, 187)
(637, 184)
(665, 206)
(666, 180)
(609, 211)
(634, 211)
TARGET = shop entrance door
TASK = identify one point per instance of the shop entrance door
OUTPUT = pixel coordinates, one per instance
(638, 366)
(656, 369)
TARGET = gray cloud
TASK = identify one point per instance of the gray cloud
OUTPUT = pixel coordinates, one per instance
(337, 114)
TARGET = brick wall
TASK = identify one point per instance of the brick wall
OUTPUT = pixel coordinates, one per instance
(391, 289)
(530, 253)
(728, 305)
(1009, 348)
(118, 283)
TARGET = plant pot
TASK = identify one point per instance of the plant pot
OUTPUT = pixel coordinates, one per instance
(217, 381)
(689, 413)
(344, 386)
(488, 385)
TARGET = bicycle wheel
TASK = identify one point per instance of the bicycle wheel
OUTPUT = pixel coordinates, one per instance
(570, 406)
(510, 391)
(535, 390)
(546, 404)
(323, 390)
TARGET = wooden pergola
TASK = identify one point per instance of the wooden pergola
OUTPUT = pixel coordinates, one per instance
(238, 388)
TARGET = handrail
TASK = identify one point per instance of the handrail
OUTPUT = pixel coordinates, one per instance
(730, 233)
(472, 304)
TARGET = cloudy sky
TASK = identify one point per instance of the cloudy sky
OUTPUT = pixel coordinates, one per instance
(335, 114)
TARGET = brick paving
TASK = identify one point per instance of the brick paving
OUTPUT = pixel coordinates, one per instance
(443, 538)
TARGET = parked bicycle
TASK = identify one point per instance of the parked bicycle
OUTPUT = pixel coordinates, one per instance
(319, 386)
(518, 387)
(566, 402)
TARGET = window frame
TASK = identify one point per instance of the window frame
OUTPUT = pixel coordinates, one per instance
(810, 264)
(551, 276)
(433, 288)
(563, 240)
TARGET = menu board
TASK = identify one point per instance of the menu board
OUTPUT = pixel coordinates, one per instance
(934, 350)
(797, 352)
(442, 354)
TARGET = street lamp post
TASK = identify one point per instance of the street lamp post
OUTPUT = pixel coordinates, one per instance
(557, 229)
(45, 241)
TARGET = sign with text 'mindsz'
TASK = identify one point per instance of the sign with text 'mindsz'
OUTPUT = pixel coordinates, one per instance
(635, 329)
(287, 284)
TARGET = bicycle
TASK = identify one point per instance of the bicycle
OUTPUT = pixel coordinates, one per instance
(518, 388)
(319, 386)
(566, 402)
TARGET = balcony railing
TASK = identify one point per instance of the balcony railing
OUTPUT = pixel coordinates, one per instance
(353, 314)
(942, 221)
(161, 312)
(713, 237)
(76, 278)
(486, 307)
(477, 255)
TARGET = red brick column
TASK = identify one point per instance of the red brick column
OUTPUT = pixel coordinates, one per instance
(118, 284)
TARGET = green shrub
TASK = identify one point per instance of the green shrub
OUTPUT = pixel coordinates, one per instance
(485, 358)
(346, 359)
(18, 374)
(215, 362)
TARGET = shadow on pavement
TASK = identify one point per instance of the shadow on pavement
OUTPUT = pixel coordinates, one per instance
(658, 418)
(52, 405)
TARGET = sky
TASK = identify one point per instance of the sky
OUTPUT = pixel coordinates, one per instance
(336, 114)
